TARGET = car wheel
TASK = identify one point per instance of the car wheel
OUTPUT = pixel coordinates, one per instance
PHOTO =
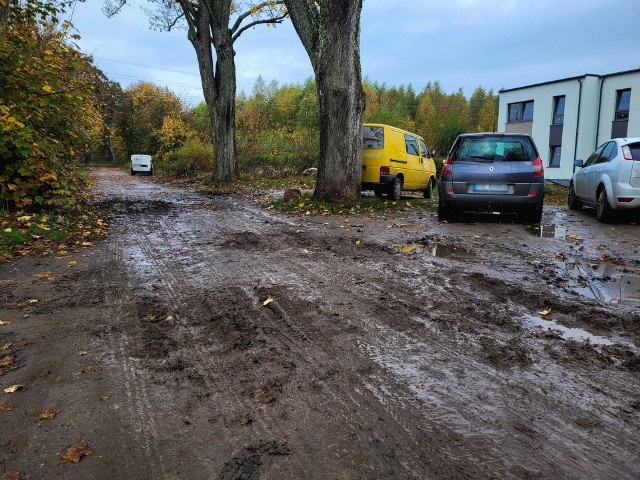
(535, 214)
(604, 212)
(395, 189)
(572, 201)
(132, 172)
(444, 213)
(151, 172)
(428, 192)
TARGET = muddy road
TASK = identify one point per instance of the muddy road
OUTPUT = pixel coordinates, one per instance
(210, 338)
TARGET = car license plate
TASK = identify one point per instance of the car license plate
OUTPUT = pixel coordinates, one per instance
(490, 187)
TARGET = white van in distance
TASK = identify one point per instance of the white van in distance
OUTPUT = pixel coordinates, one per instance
(141, 164)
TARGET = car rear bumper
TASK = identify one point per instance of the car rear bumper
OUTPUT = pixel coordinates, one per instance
(497, 202)
(625, 191)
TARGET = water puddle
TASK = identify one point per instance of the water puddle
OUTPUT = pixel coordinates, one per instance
(604, 281)
(437, 249)
(566, 333)
(547, 231)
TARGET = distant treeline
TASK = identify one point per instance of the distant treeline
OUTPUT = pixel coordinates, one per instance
(278, 125)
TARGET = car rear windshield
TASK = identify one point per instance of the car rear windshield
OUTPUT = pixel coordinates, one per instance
(372, 138)
(635, 150)
(493, 149)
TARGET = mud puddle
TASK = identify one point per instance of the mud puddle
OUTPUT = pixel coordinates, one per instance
(436, 248)
(604, 282)
(547, 231)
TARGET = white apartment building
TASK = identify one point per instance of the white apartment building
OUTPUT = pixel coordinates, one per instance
(571, 117)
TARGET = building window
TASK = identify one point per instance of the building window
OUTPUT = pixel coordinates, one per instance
(623, 102)
(521, 112)
(554, 160)
(558, 110)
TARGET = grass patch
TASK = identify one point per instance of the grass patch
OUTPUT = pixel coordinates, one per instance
(555, 194)
(250, 183)
(47, 233)
(305, 204)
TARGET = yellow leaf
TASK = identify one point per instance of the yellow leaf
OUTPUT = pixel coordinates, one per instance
(47, 88)
(13, 388)
(7, 230)
(358, 242)
(408, 247)
(544, 313)
(72, 263)
(267, 302)
(48, 414)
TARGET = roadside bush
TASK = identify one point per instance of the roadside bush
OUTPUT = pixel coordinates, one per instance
(194, 157)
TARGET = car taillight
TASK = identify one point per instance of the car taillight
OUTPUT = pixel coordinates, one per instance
(625, 199)
(447, 167)
(385, 171)
(538, 168)
(626, 153)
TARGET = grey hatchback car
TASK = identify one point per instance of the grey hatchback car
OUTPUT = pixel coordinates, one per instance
(499, 172)
(609, 180)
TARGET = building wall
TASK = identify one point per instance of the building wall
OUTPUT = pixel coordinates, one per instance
(543, 105)
(610, 87)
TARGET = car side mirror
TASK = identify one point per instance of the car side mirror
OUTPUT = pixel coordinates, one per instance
(579, 163)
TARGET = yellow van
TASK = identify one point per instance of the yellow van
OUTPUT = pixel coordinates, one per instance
(394, 160)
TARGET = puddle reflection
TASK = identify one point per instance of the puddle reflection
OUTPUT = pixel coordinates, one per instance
(577, 334)
(547, 231)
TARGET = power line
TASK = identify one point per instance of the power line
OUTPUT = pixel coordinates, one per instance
(160, 68)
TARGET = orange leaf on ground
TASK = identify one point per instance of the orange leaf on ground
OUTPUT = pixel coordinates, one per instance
(12, 475)
(6, 407)
(48, 414)
(6, 360)
(75, 453)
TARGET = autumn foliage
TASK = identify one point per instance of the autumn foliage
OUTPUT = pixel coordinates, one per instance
(48, 116)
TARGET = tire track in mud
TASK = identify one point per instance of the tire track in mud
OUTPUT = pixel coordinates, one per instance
(139, 421)
(479, 449)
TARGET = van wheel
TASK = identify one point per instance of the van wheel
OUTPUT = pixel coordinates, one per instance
(572, 200)
(151, 172)
(395, 189)
(604, 212)
(428, 192)
(132, 172)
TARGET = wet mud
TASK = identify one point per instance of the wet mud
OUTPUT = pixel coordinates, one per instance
(208, 337)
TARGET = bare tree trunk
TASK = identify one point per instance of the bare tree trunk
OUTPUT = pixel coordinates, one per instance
(219, 88)
(112, 151)
(331, 36)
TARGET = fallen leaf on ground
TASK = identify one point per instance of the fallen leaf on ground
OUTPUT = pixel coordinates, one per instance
(72, 263)
(48, 414)
(83, 352)
(6, 360)
(75, 453)
(358, 242)
(12, 475)
(42, 274)
(6, 407)
(408, 247)
(267, 302)
(33, 300)
(105, 397)
(545, 312)
(13, 388)
(5, 322)
(6, 346)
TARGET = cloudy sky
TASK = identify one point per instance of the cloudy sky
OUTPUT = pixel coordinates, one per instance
(462, 43)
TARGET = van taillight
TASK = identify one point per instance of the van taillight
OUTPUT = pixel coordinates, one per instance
(626, 153)
(447, 167)
(538, 169)
(385, 171)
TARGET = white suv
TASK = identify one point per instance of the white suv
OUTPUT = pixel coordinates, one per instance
(609, 180)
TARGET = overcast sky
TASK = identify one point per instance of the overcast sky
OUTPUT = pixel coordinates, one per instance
(462, 43)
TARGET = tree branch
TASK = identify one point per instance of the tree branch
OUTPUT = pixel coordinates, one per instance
(278, 19)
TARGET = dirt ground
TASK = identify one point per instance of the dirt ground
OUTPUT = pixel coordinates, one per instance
(210, 338)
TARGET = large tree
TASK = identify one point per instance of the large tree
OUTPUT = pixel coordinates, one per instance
(330, 33)
(210, 32)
